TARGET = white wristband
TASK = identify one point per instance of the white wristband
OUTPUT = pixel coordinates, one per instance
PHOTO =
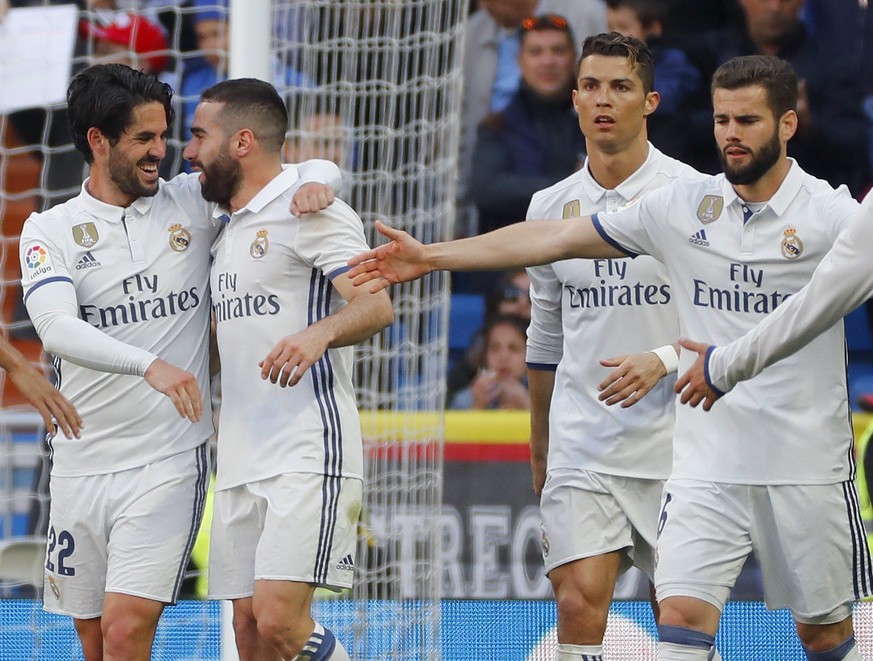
(668, 357)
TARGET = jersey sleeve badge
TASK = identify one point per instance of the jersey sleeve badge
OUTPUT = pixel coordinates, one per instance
(37, 261)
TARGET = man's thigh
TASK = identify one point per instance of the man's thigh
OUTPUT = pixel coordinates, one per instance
(297, 527)
(811, 547)
(587, 514)
(128, 532)
(703, 540)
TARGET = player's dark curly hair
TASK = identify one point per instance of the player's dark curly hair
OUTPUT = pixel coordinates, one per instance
(104, 96)
(773, 74)
(613, 44)
(252, 104)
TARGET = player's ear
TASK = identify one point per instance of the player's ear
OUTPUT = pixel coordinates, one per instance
(245, 141)
(653, 99)
(98, 142)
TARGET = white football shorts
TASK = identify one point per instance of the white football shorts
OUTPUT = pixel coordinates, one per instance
(300, 527)
(129, 532)
(809, 541)
(586, 514)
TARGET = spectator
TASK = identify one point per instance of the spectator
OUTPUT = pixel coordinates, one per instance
(534, 141)
(123, 38)
(678, 77)
(211, 29)
(510, 295)
(832, 134)
(491, 74)
(501, 382)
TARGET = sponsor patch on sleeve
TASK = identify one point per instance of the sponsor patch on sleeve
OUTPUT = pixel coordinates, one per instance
(36, 261)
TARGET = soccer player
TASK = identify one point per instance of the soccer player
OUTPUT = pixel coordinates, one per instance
(841, 283)
(735, 246)
(116, 282)
(600, 471)
(290, 458)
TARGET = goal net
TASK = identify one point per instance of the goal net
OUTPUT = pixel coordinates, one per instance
(372, 84)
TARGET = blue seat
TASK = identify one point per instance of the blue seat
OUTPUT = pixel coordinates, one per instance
(466, 317)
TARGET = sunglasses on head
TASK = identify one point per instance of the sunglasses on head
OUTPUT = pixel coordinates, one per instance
(545, 22)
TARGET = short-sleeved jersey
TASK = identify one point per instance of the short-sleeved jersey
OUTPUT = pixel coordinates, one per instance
(583, 310)
(141, 275)
(271, 277)
(791, 426)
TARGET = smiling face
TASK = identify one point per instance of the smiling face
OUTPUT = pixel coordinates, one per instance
(133, 161)
(208, 151)
(749, 138)
(611, 102)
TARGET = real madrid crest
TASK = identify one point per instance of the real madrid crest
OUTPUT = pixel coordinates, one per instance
(260, 245)
(710, 208)
(85, 234)
(792, 246)
(180, 238)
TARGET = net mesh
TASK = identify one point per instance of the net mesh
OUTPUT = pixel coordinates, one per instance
(375, 86)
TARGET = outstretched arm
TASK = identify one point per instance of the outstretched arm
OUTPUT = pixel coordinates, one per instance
(522, 244)
(52, 406)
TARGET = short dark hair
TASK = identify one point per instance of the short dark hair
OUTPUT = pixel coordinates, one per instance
(613, 44)
(648, 12)
(545, 23)
(104, 96)
(775, 75)
(253, 104)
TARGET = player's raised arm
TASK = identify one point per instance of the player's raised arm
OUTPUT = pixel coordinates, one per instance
(522, 244)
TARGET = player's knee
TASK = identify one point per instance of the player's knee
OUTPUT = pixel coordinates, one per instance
(826, 637)
(244, 625)
(578, 613)
(124, 634)
(276, 632)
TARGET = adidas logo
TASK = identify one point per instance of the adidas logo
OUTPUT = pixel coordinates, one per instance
(699, 238)
(346, 564)
(87, 261)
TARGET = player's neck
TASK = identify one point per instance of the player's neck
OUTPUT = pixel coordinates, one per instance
(255, 177)
(765, 188)
(610, 169)
(101, 187)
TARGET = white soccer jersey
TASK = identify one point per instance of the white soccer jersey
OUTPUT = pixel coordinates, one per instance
(583, 310)
(787, 427)
(271, 277)
(841, 283)
(141, 275)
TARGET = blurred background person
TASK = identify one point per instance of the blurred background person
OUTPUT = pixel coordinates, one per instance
(678, 77)
(491, 73)
(501, 382)
(534, 141)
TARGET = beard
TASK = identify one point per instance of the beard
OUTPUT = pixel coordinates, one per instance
(123, 174)
(220, 179)
(766, 157)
